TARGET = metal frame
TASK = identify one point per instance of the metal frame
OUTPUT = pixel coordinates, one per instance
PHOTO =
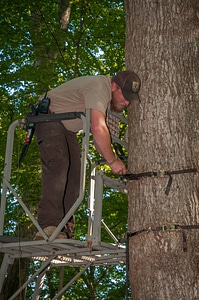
(91, 251)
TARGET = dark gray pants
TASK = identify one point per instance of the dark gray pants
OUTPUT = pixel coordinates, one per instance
(60, 158)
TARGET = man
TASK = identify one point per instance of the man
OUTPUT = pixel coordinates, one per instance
(59, 148)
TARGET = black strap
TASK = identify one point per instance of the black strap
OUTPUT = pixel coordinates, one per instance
(160, 173)
(163, 228)
(167, 227)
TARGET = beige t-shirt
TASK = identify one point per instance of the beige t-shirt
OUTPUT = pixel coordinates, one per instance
(78, 94)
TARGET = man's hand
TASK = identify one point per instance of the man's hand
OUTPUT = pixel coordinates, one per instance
(118, 167)
(103, 142)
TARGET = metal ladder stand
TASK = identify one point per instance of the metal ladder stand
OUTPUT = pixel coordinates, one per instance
(63, 252)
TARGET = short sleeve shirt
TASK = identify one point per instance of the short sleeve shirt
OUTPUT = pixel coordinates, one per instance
(79, 94)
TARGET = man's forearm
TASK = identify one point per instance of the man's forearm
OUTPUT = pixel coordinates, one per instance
(103, 143)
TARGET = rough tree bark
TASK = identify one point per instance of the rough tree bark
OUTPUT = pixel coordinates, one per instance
(162, 41)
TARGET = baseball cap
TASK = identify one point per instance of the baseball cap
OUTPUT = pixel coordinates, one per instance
(130, 83)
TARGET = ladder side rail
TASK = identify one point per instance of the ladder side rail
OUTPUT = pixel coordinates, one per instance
(98, 209)
(91, 198)
(100, 180)
(7, 170)
(85, 148)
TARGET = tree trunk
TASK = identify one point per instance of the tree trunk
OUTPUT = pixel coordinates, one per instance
(162, 40)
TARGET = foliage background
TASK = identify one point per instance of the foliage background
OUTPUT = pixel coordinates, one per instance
(38, 53)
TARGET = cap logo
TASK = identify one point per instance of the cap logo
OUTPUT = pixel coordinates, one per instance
(135, 86)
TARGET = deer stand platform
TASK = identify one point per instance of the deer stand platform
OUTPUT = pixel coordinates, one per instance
(90, 251)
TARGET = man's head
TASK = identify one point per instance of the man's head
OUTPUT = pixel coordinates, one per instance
(129, 83)
(125, 87)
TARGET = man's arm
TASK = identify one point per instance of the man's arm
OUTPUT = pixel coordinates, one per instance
(102, 140)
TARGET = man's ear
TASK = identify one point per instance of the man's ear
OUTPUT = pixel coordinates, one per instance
(114, 86)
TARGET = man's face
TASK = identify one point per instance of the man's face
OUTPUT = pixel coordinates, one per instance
(118, 102)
